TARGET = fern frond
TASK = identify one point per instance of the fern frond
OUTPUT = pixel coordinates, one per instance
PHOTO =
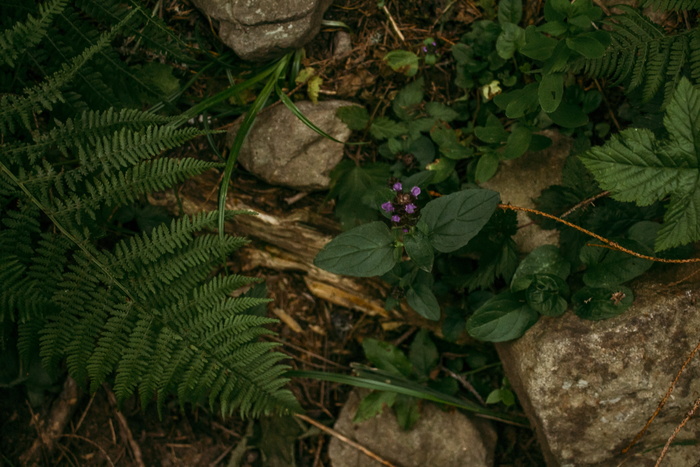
(671, 5)
(642, 57)
(25, 35)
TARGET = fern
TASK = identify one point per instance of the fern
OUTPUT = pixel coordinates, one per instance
(672, 5)
(644, 59)
(143, 312)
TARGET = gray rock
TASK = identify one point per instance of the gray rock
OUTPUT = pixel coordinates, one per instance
(261, 30)
(521, 180)
(281, 150)
(590, 386)
(440, 438)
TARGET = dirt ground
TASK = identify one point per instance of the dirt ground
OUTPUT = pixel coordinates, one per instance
(317, 335)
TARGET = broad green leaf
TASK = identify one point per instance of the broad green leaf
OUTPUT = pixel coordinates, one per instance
(442, 168)
(556, 10)
(373, 404)
(486, 167)
(420, 297)
(383, 128)
(596, 303)
(537, 45)
(519, 102)
(492, 132)
(635, 167)
(511, 39)
(407, 411)
(354, 116)
(365, 251)
(419, 249)
(402, 61)
(546, 294)
(587, 45)
(500, 319)
(510, 11)
(387, 357)
(616, 267)
(518, 142)
(423, 150)
(355, 188)
(569, 116)
(423, 354)
(455, 219)
(551, 91)
(545, 259)
(446, 139)
(407, 100)
(441, 111)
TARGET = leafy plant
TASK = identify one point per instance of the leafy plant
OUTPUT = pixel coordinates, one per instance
(144, 311)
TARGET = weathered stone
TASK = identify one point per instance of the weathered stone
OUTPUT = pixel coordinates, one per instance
(521, 180)
(440, 438)
(589, 386)
(261, 30)
(282, 150)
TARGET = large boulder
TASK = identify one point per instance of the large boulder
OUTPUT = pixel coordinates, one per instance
(260, 30)
(281, 150)
(440, 438)
(589, 386)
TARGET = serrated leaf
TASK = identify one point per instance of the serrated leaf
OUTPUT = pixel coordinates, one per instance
(455, 219)
(383, 128)
(446, 139)
(511, 39)
(365, 251)
(492, 132)
(420, 297)
(546, 295)
(373, 404)
(402, 61)
(407, 100)
(387, 357)
(635, 167)
(441, 111)
(510, 11)
(419, 249)
(616, 267)
(545, 259)
(359, 191)
(423, 353)
(596, 303)
(501, 318)
(354, 116)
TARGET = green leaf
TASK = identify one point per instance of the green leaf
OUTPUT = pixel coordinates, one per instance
(455, 219)
(373, 404)
(587, 45)
(501, 318)
(423, 354)
(486, 167)
(510, 11)
(519, 102)
(635, 167)
(407, 411)
(537, 45)
(355, 188)
(546, 294)
(511, 39)
(569, 116)
(616, 267)
(442, 168)
(406, 102)
(518, 142)
(402, 61)
(556, 10)
(441, 111)
(596, 303)
(551, 91)
(383, 128)
(354, 116)
(545, 259)
(493, 132)
(420, 297)
(365, 251)
(446, 139)
(419, 249)
(387, 357)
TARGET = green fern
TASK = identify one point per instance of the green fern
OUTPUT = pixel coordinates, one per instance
(637, 167)
(671, 5)
(644, 59)
(142, 312)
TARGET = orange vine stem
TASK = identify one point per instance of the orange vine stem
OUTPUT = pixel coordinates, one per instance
(610, 243)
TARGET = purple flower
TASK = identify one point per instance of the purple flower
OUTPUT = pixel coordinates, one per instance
(415, 191)
(425, 49)
(388, 207)
(397, 186)
(405, 230)
(396, 219)
(410, 208)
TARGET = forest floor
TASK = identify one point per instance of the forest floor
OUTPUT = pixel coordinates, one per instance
(317, 335)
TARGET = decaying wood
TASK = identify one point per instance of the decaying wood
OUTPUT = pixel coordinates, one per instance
(285, 241)
(51, 428)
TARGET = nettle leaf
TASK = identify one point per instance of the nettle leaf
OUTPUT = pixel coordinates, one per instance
(354, 116)
(635, 167)
(383, 128)
(545, 259)
(455, 219)
(387, 357)
(501, 318)
(596, 303)
(365, 251)
(420, 297)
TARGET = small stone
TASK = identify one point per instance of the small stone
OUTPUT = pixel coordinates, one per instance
(445, 438)
(261, 30)
(281, 150)
(342, 44)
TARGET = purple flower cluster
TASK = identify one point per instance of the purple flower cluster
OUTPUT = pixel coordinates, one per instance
(404, 211)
